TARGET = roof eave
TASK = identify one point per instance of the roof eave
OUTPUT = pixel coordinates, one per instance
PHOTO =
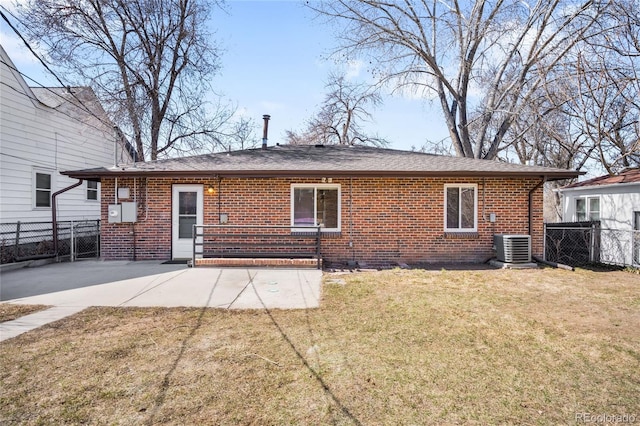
(104, 173)
(596, 186)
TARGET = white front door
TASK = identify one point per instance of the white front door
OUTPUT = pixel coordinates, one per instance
(186, 211)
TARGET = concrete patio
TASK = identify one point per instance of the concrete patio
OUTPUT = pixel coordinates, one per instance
(71, 287)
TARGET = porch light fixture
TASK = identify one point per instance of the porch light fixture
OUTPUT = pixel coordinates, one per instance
(211, 190)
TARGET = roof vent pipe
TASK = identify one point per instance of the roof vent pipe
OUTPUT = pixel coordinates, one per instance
(265, 130)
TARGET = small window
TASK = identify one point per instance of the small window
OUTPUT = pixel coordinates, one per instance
(92, 190)
(42, 189)
(460, 208)
(581, 209)
(316, 205)
(594, 208)
(587, 209)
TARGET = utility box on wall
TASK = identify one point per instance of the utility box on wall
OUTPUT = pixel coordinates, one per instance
(115, 213)
(129, 212)
(124, 212)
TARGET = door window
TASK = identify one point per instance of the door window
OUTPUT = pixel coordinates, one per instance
(187, 213)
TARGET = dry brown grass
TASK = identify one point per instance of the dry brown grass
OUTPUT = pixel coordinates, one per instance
(9, 311)
(391, 347)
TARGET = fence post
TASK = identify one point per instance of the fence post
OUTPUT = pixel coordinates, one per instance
(592, 243)
(16, 251)
(631, 247)
(318, 254)
(193, 237)
(97, 238)
(72, 245)
(544, 241)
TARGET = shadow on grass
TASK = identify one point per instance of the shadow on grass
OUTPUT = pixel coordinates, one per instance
(344, 267)
(164, 387)
(600, 267)
(314, 373)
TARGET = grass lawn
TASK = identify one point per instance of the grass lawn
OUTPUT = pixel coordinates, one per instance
(10, 311)
(389, 347)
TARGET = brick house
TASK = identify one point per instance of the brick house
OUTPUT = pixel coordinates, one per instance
(374, 206)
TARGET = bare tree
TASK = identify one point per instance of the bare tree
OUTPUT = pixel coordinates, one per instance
(148, 60)
(544, 134)
(483, 61)
(605, 106)
(241, 134)
(339, 121)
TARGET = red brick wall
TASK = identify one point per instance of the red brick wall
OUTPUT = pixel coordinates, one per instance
(383, 220)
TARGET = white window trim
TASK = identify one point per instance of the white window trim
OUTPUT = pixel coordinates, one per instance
(475, 206)
(295, 186)
(33, 187)
(587, 204)
(86, 193)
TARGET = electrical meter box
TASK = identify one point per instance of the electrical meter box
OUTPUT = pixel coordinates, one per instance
(129, 212)
(115, 213)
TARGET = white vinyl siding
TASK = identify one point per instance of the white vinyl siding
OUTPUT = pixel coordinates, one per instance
(37, 136)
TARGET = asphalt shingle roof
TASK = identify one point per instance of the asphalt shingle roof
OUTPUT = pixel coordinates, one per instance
(330, 161)
(627, 176)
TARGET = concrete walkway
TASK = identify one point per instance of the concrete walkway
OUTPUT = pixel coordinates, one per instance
(72, 287)
(30, 322)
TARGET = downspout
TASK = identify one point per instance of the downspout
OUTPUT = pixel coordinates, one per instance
(535, 188)
(219, 200)
(54, 214)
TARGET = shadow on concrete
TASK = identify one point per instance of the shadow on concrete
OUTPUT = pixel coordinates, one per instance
(57, 277)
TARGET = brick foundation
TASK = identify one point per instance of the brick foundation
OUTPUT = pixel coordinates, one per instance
(383, 220)
(281, 263)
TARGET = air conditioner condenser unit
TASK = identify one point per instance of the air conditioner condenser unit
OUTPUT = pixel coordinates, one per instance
(512, 248)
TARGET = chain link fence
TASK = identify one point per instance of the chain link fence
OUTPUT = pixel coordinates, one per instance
(586, 243)
(21, 241)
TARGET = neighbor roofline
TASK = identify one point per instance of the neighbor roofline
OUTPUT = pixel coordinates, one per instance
(97, 174)
(605, 186)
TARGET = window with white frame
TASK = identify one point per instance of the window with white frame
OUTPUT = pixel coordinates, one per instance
(92, 190)
(315, 205)
(587, 208)
(42, 189)
(460, 206)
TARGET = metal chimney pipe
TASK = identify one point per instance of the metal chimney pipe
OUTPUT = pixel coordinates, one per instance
(265, 130)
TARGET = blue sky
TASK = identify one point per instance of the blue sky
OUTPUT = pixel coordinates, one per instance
(273, 62)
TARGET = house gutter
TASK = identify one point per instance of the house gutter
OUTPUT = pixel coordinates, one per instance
(591, 187)
(535, 188)
(54, 214)
(97, 174)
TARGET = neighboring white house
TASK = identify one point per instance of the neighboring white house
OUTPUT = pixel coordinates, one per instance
(615, 202)
(44, 131)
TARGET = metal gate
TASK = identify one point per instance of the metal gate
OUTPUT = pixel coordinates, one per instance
(79, 239)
